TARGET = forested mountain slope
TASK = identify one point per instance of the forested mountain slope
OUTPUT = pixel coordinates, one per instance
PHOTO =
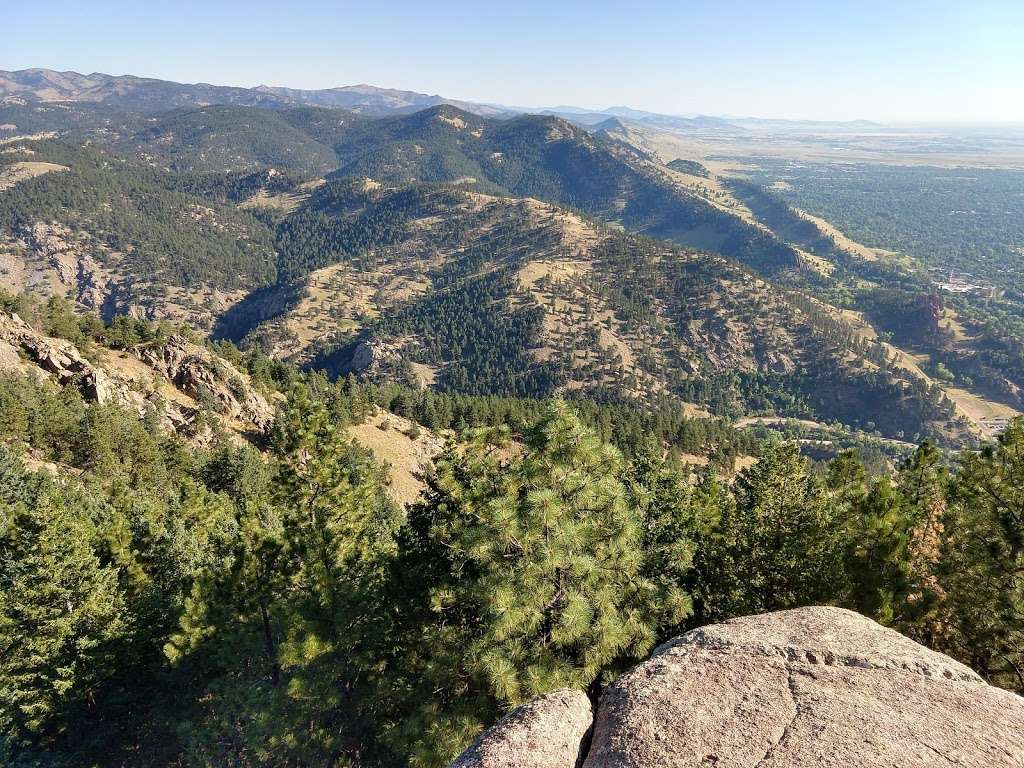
(390, 263)
(226, 138)
(122, 236)
(551, 159)
(470, 292)
(175, 383)
(527, 156)
(443, 286)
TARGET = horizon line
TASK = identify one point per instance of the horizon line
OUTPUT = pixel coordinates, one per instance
(945, 121)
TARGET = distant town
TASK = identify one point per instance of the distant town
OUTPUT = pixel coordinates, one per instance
(953, 281)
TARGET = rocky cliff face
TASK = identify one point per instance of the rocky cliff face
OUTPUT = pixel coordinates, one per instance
(177, 379)
(21, 346)
(808, 687)
(200, 375)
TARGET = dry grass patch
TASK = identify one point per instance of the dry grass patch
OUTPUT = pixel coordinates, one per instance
(452, 120)
(842, 241)
(426, 375)
(286, 202)
(744, 462)
(17, 172)
(823, 267)
(42, 136)
(387, 437)
(980, 409)
(533, 272)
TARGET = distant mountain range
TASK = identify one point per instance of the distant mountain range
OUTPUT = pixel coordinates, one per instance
(142, 94)
(148, 94)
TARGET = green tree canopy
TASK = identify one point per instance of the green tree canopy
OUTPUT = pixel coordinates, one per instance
(536, 576)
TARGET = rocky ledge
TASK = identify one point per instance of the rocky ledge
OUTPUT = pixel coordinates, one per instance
(189, 367)
(808, 687)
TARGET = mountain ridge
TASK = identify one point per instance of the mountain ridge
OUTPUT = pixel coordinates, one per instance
(146, 93)
(45, 85)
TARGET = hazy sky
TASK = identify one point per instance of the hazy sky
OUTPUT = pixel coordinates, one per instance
(829, 59)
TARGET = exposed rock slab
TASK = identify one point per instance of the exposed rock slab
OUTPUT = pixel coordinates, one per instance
(808, 687)
(196, 372)
(823, 635)
(793, 689)
(369, 356)
(57, 357)
(548, 732)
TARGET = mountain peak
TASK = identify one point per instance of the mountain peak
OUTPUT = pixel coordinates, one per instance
(611, 124)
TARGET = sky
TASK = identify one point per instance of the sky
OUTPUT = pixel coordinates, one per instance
(829, 59)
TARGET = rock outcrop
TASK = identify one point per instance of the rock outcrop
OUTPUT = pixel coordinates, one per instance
(57, 357)
(807, 687)
(204, 379)
(59, 258)
(370, 357)
(197, 373)
(550, 731)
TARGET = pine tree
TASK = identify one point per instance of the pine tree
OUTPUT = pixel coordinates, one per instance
(923, 486)
(981, 568)
(661, 492)
(536, 577)
(339, 531)
(877, 533)
(61, 615)
(227, 644)
(776, 546)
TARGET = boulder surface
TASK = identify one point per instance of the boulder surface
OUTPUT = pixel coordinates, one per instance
(548, 732)
(808, 687)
